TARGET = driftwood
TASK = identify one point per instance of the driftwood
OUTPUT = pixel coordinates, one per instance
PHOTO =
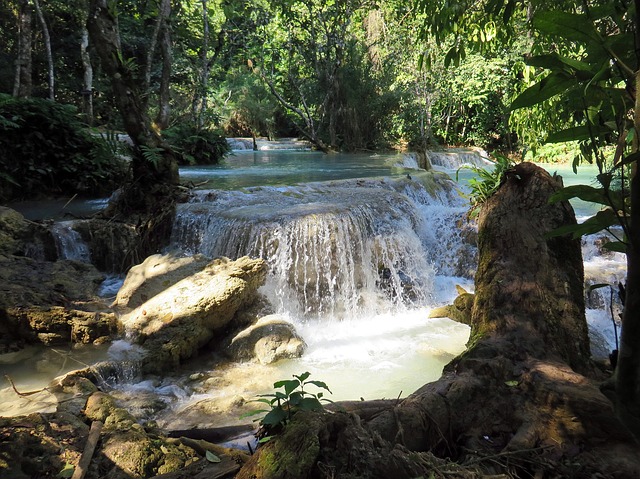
(89, 448)
(522, 400)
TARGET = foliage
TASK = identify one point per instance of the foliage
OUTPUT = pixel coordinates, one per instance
(284, 404)
(487, 181)
(197, 146)
(46, 150)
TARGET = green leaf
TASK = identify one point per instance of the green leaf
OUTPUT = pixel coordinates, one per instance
(602, 220)
(310, 404)
(571, 26)
(67, 471)
(320, 384)
(584, 192)
(616, 246)
(253, 413)
(211, 457)
(511, 384)
(276, 416)
(554, 61)
(303, 377)
(576, 133)
(550, 86)
(289, 385)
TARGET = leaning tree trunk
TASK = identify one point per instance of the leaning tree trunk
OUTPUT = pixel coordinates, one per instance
(519, 401)
(154, 165)
(148, 200)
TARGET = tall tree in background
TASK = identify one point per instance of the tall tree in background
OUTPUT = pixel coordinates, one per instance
(48, 50)
(23, 82)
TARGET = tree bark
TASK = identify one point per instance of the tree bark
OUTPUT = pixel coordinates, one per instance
(164, 107)
(23, 82)
(520, 401)
(47, 48)
(87, 77)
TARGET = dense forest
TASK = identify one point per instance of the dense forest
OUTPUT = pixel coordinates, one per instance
(344, 74)
(347, 75)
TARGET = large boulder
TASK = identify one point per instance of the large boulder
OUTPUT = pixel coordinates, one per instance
(51, 303)
(270, 339)
(21, 237)
(180, 318)
(154, 274)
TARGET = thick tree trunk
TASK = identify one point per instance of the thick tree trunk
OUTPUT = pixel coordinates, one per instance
(154, 163)
(515, 402)
(23, 83)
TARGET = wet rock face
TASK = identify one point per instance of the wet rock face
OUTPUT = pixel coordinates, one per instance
(179, 318)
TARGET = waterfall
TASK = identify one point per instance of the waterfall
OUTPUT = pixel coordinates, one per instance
(339, 249)
(454, 158)
(69, 243)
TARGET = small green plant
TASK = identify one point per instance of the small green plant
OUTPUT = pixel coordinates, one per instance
(284, 404)
(487, 181)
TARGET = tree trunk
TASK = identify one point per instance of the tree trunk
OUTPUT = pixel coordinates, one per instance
(23, 83)
(87, 78)
(47, 48)
(625, 389)
(164, 107)
(154, 165)
(514, 403)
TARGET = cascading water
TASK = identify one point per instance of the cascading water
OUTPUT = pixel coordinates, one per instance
(69, 243)
(338, 250)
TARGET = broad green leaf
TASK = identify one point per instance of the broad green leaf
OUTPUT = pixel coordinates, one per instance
(553, 61)
(616, 246)
(310, 404)
(289, 385)
(320, 384)
(211, 457)
(303, 377)
(602, 220)
(571, 26)
(276, 416)
(584, 192)
(295, 398)
(550, 86)
(576, 133)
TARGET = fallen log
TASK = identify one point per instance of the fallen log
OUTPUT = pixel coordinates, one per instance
(89, 448)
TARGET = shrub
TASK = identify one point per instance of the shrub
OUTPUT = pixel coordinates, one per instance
(197, 146)
(46, 151)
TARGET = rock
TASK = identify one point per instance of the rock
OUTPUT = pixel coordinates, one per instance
(154, 275)
(24, 238)
(459, 311)
(50, 302)
(181, 318)
(270, 339)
